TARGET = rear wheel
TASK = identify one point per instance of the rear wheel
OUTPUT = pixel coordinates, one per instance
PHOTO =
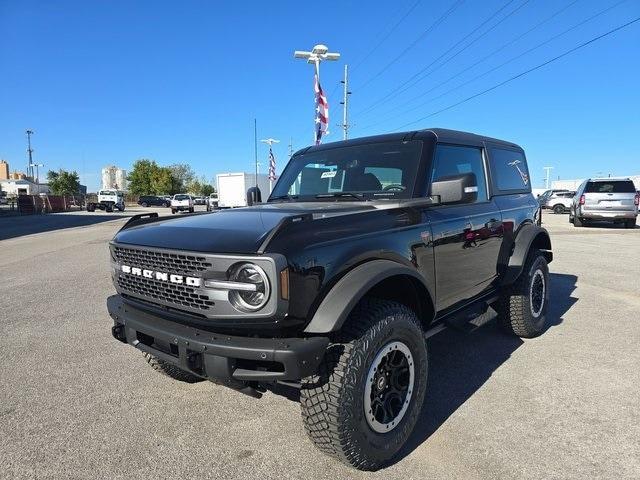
(558, 209)
(144, 204)
(522, 307)
(171, 370)
(365, 400)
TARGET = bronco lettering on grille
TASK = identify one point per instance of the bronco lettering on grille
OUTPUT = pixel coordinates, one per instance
(162, 276)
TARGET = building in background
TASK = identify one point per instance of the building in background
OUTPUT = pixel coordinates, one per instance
(4, 170)
(23, 186)
(114, 178)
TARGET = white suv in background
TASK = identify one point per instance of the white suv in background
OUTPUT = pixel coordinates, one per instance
(559, 202)
(182, 202)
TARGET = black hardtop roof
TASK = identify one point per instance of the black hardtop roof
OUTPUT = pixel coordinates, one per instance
(434, 134)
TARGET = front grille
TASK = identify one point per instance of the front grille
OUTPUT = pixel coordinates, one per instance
(178, 263)
(165, 292)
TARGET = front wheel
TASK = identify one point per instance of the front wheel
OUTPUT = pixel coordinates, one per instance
(522, 308)
(364, 402)
(558, 209)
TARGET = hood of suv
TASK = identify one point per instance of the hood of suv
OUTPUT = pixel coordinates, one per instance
(240, 230)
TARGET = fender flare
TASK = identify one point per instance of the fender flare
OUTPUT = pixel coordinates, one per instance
(349, 290)
(529, 235)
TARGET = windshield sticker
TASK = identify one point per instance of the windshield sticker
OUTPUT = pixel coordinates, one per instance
(329, 174)
(523, 175)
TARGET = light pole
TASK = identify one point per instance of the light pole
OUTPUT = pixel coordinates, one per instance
(30, 152)
(272, 161)
(37, 165)
(547, 170)
(318, 54)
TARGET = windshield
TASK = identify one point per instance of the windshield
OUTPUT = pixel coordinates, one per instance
(181, 197)
(378, 170)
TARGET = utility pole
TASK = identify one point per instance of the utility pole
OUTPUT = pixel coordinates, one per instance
(255, 147)
(345, 104)
(547, 171)
(30, 152)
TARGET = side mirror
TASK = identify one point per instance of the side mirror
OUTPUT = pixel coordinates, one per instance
(253, 196)
(461, 188)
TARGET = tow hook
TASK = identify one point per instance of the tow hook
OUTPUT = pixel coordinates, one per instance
(118, 333)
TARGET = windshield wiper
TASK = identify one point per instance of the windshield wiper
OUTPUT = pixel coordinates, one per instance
(284, 197)
(358, 196)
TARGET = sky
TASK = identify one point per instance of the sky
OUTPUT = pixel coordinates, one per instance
(109, 82)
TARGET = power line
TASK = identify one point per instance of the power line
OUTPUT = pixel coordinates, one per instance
(522, 74)
(368, 54)
(399, 89)
(397, 24)
(499, 49)
(435, 24)
(491, 70)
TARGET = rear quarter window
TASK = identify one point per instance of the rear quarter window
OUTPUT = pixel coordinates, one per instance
(509, 172)
(620, 186)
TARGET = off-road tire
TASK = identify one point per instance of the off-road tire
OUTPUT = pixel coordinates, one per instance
(578, 222)
(515, 311)
(332, 402)
(170, 370)
(558, 209)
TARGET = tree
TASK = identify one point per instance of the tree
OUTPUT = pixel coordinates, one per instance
(183, 175)
(63, 182)
(200, 187)
(162, 181)
(140, 178)
(208, 189)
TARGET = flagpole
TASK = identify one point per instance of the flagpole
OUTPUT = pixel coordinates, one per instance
(272, 161)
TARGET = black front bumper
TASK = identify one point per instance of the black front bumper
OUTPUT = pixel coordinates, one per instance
(219, 357)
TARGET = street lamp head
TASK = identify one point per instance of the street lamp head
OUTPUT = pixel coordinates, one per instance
(301, 54)
(320, 49)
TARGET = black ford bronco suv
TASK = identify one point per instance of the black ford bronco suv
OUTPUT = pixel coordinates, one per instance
(364, 249)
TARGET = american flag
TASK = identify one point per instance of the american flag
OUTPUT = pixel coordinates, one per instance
(272, 165)
(322, 111)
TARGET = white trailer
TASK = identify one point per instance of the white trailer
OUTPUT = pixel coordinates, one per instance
(232, 188)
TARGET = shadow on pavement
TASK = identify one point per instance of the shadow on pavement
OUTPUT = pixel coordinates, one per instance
(12, 227)
(461, 363)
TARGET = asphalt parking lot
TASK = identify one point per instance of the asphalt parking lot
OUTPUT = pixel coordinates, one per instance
(74, 403)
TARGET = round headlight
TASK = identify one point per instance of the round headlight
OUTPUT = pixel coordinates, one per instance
(257, 293)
